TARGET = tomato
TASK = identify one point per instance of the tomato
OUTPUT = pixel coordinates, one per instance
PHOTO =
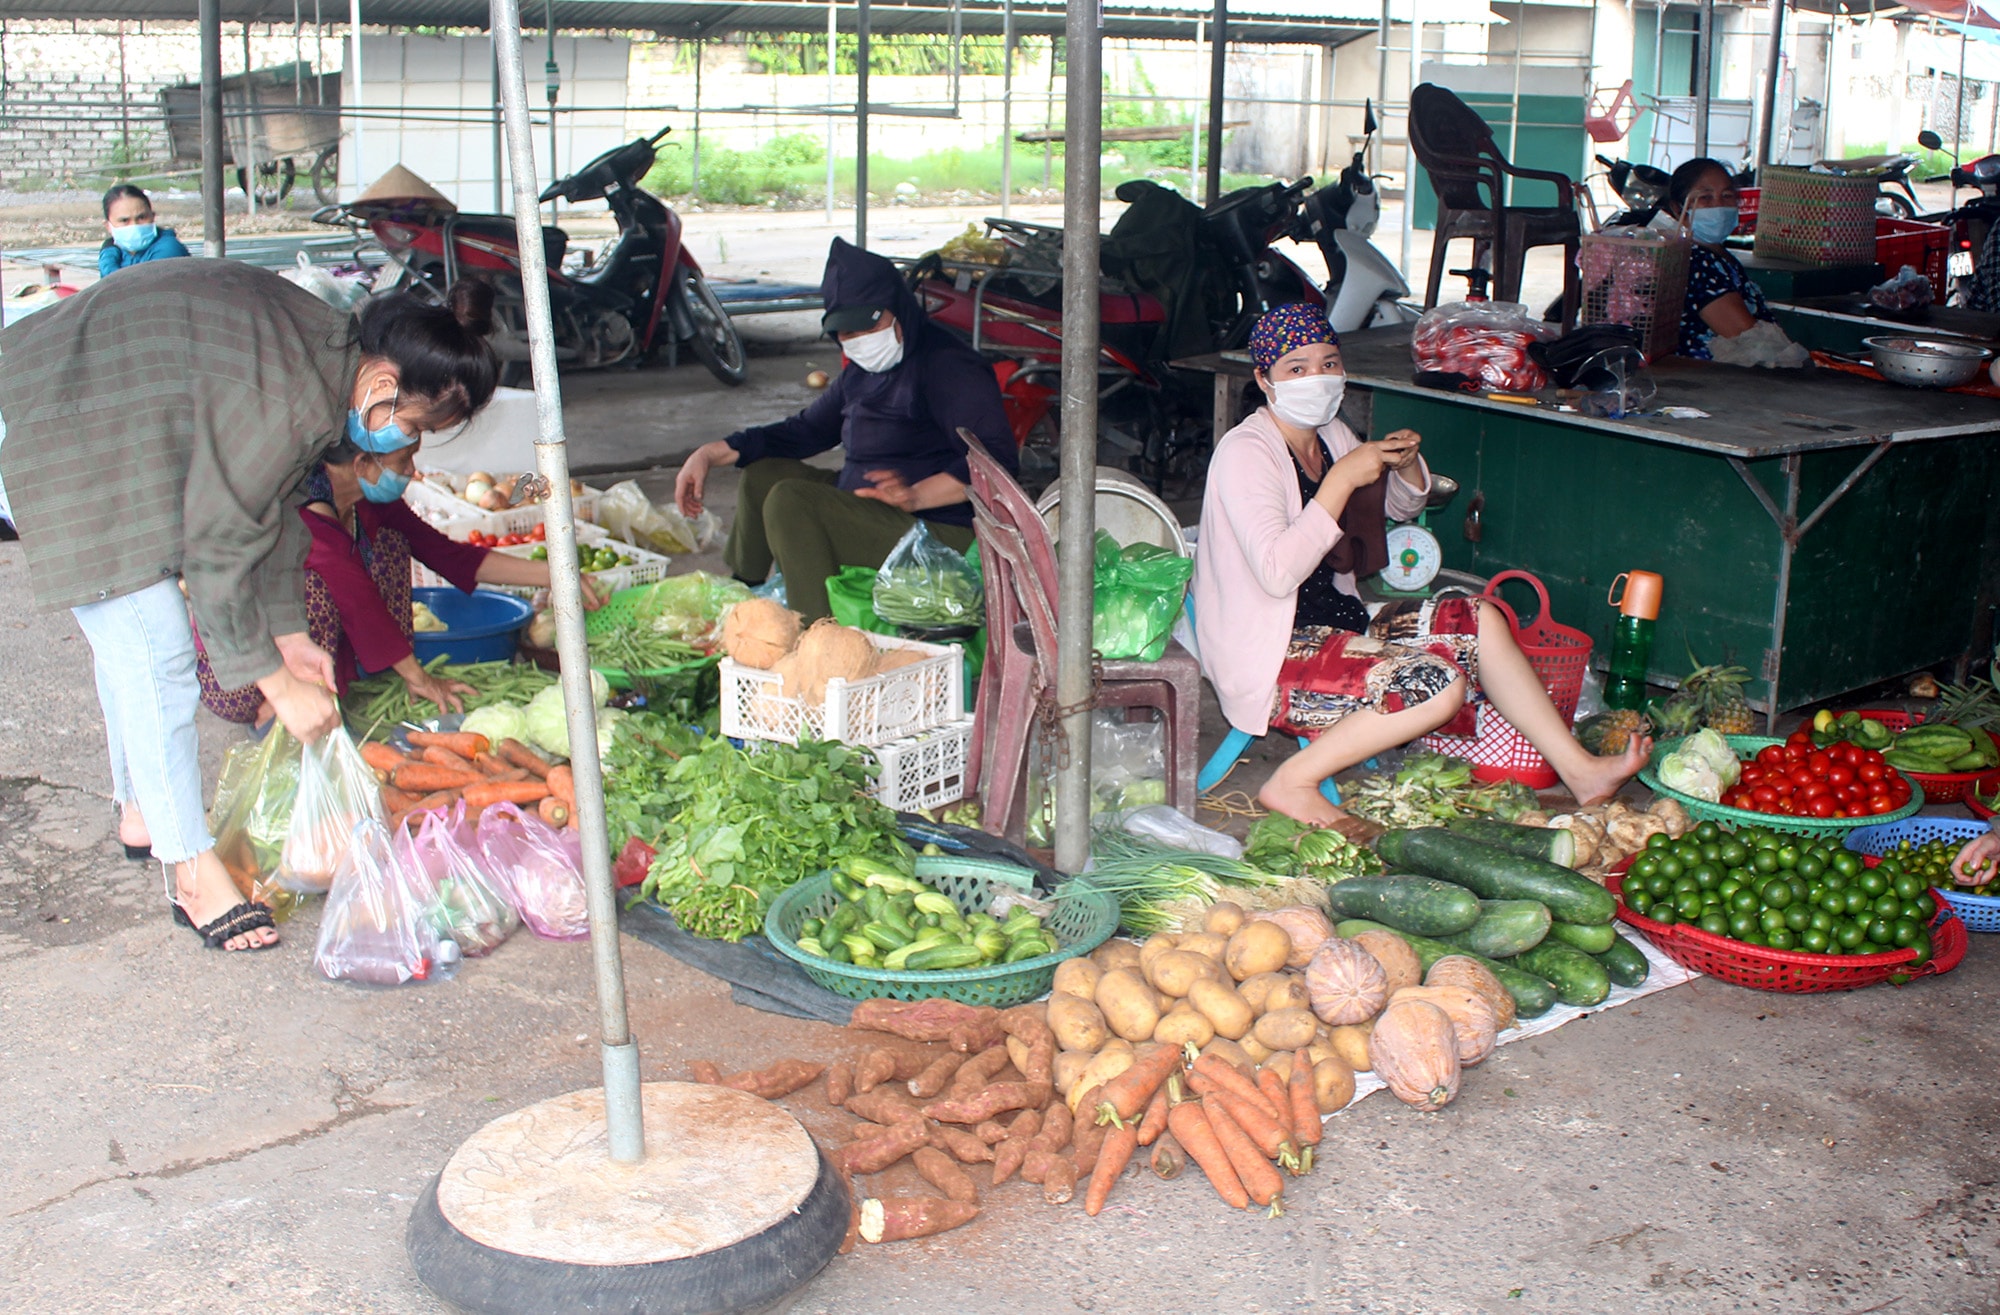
(1814, 789)
(1795, 753)
(1839, 774)
(1771, 756)
(1819, 762)
(1765, 795)
(1869, 772)
(539, 533)
(1801, 736)
(1801, 777)
(1873, 756)
(1880, 804)
(1822, 807)
(1752, 775)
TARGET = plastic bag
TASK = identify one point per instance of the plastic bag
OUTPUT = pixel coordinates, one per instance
(1164, 824)
(374, 929)
(927, 582)
(774, 589)
(1139, 592)
(626, 511)
(341, 294)
(336, 790)
(253, 815)
(689, 607)
(463, 903)
(1487, 340)
(1909, 290)
(1128, 770)
(541, 870)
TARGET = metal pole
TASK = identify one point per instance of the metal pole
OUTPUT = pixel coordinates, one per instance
(694, 159)
(832, 124)
(1958, 115)
(1514, 112)
(627, 1138)
(247, 166)
(553, 77)
(1767, 130)
(1082, 186)
(861, 125)
(1218, 56)
(957, 35)
(360, 119)
(1194, 149)
(1049, 118)
(1006, 107)
(213, 240)
(1409, 151)
(1382, 98)
(1704, 58)
(499, 134)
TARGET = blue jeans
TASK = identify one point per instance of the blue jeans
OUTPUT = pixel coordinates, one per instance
(143, 648)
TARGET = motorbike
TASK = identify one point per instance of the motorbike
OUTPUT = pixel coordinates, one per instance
(1889, 172)
(644, 294)
(1641, 187)
(1972, 262)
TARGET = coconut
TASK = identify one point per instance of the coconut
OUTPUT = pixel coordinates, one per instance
(788, 667)
(757, 632)
(895, 659)
(830, 651)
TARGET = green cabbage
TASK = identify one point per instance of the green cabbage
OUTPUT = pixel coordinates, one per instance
(497, 722)
(1715, 751)
(547, 722)
(1691, 774)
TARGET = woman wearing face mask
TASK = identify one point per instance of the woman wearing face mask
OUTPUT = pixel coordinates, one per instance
(1296, 511)
(1725, 318)
(133, 236)
(895, 410)
(186, 465)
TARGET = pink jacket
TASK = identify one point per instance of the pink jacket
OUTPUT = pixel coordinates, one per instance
(1258, 543)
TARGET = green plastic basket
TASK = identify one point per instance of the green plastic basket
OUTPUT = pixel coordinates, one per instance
(620, 609)
(1746, 746)
(1084, 919)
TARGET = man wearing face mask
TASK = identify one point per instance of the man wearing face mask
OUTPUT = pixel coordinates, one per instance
(895, 409)
(1726, 318)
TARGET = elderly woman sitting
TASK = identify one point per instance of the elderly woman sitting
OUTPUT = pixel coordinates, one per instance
(1296, 510)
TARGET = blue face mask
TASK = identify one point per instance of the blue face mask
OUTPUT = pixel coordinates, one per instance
(389, 488)
(1711, 224)
(388, 438)
(134, 238)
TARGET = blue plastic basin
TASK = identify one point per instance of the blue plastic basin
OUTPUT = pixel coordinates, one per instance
(482, 626)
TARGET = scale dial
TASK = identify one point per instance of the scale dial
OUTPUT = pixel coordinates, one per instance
(1414, 559)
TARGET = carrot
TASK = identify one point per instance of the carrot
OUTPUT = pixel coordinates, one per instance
(490, 765)
(1192, 1129)
(1259, 1179)
(439, 756)
(1230, 1079)
(1305, 1106)
(381, 756)
(562, 784)
(523, 757)
(398, 801)
(1269, 1136)
(935, 1075)
(1275, 1091)
(488, 793)
(839, 1076)
(1168, 1158)
(465, 746)
(1155, 1120)
(1126, 1096)
(1111, 1161)
(898, 1219)
(423, 778)
(435, 800)
(943, 1173)
(556, 813)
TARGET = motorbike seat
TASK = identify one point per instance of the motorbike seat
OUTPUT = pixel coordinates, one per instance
(500, 228)
(1865, 164)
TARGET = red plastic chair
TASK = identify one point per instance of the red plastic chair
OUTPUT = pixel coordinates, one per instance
(1601, 122)
(1019, 563)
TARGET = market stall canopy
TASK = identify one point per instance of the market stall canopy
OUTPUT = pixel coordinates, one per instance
(1981, 14)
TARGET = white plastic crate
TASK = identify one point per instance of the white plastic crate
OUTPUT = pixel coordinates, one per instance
(871, 712)
(924, 771)
(458, 518)
(646, 567)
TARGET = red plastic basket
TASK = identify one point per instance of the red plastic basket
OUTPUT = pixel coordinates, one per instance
(1560, 655)
(1985, 787)
(1939, 787)
(1791, 971)
(1900, 242)
(1746, 210)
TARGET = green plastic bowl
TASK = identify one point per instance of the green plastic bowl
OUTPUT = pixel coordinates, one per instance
(620, 609)
(1084, 919)
(1746, 746)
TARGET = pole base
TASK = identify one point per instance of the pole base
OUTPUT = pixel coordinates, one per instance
(732, 1210)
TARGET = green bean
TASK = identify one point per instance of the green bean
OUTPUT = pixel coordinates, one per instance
(385, 701)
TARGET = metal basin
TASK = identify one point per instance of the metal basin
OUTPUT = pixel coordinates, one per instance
(1926, 362)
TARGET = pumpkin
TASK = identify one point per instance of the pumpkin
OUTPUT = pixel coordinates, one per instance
(1399, 962)
(1471, 1018)
(1471, 975)
(1414, 1050)
(1308, 929)
(1345, 983)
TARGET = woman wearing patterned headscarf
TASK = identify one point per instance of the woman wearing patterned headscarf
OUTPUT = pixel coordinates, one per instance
(1296, 511)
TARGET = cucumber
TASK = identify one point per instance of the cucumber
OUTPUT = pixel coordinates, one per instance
(1533, 997)
(1495, 874)
(1624, 962)
(1505, 928)
(1591, 940)
(1578, 978)
(1413, 904)
(1551, 844)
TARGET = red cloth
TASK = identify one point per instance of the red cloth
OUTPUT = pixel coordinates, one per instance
(369, 635)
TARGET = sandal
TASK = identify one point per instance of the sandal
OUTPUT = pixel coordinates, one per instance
(245, 917)
(133, 853)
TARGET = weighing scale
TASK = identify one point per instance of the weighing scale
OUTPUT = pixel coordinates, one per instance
(1415, 555)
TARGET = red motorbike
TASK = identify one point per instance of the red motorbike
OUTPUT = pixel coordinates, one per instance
(644, 294)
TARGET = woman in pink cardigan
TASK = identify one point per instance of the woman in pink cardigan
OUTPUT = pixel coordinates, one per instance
(1295, 512)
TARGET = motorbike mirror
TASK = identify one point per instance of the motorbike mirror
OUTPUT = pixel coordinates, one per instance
(1368, 124)
(555, 189)
(1930, 141)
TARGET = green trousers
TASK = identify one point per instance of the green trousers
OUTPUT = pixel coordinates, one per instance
(794, 516)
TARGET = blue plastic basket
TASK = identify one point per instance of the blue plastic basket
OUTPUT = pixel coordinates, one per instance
(482, 626)
(1977, 912)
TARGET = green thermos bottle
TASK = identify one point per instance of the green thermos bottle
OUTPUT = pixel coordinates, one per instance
(1632, 638)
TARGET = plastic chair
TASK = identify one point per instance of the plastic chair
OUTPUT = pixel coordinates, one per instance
(1601, 121)
(1456, 148)
(1019, 562)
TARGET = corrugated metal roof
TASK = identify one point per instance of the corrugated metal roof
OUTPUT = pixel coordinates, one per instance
(1276, 22)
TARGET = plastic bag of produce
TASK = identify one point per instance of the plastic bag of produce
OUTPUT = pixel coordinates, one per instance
(463, 903)
(927, 582)
(336, 790)
(1139, 592)
(540, 868)
(375, 929)
(253, 814)
(1486, 340)
(626, 511)
(688, 608)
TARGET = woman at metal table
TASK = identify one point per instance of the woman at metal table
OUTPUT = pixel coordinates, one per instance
(1726, 318)
(895, 409)
(160, 425)
(1295, 511)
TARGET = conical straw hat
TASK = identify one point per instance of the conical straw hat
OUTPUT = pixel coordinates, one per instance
(399, 184)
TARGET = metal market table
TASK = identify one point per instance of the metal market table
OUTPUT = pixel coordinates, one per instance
(1824, 530)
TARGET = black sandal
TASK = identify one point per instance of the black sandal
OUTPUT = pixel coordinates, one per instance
(245, 917)
(133, 853)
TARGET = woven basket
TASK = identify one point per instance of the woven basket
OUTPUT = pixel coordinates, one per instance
(1816, 218)
(1979, 912)
(1638, 277)
(1746, 746)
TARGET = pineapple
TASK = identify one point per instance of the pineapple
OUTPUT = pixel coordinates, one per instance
(1610, 733)
(1715, 695)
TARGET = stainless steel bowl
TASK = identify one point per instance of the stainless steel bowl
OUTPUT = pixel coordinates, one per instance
(1925, 362)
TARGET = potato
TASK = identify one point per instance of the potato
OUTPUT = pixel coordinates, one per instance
(1224, 917)
(1286, 1029)
(1289, 992)
(1321, 1048)
(1230, 1053)
(1078, 1023)
(1184, 1024)
(1162, 1001)
(1107, 1065)
(1350, 1045)
(1210, 943)
(1256, 990)
(1281, 1064)
(1227, 1012)
(1129, 1005)
(1257, 947)
(1333, 1085)
(1077, 977)
(1017, 1053)
(1117, 1043)
(1176, 971)
(1115, 954)
(1156, 945)
(1069, 1066)
(1257, 1050)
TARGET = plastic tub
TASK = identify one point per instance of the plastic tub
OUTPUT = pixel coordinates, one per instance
(1979, 913)
(482, 626)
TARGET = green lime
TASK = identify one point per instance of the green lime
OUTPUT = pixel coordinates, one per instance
(1781, 939)
(1771, 920)
(1810, 867)
(1850, 934)
(1777, 894)
(1658, 840)
(1690, 905)
(1872, 882)
(1926, 905)
(1881, 931)
(1706, 830)
(1728, 887)
(1765, 861)
(1711, 852)
(1801, 890)
(1644, 866)
(1754, 938)
(1742, 924)
(1905, 931)
(1659, 886)
(1821, 920)
(1888, 906)
(1672, 867)
(1814, 940)
(1835, 879)
(1745, 901)
(1638, 901)
(1922, 945)
(1734, 853)
(1847, 863)
(1908, 886)
(1833, 901)
(1665, 915)
(1716, 923)
(1788, 856)
(1798, 917)
(1914, 911)
(1858, 900)
(1689, 886)
(1708, 876)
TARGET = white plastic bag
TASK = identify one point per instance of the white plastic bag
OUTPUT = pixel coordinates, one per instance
(375, 929)
(627, 513)
(337, 790)
(1161, 823)
(341, 294)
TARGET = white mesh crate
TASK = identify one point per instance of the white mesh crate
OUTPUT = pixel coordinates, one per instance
(457, 518)
(646, 567)
(924, 771)
(870, 712)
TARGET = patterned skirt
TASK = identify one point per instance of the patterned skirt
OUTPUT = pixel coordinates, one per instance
(1413, 651)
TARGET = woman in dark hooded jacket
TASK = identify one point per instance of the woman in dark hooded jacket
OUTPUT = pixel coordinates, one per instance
(896, 410)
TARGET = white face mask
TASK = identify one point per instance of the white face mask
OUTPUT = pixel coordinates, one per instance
(875, 351)
(1308, 402)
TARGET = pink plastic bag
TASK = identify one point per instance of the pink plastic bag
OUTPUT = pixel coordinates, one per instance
(375, 929)
(540, 868)
(464, 903)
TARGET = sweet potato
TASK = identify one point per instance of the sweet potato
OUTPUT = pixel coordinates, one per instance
(992, 1132)
(524, 758)
(964, 1147)
(901, 1218)
(1029, 1024)
(920, 1020)
(839, 1075)
(878, 1153)
(1007, 1156)
(998, 1098)
(883, 1105)
(706, 1073)
(875, 1068)
(779, 1079)
(943, 1173)
(935, 1075)
(864, 1130)
(976, 1072)
(1059, 1181)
